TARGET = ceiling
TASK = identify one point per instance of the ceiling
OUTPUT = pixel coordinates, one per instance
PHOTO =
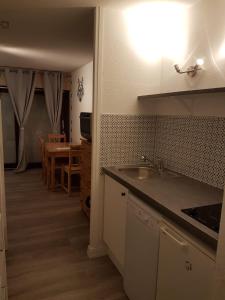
(51, 34)
(47, 39)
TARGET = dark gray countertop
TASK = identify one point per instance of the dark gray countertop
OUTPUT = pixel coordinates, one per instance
(171, 194)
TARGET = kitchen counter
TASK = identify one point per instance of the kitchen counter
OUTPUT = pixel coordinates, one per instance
(170, 194)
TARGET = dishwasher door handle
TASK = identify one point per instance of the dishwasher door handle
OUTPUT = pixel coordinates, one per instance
(181, 242)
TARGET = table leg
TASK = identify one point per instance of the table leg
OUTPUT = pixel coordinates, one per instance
(48, 175)
(53, 173)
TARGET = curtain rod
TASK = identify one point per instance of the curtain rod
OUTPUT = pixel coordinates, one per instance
(27, 69)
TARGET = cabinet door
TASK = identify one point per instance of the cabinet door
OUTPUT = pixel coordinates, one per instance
(2, 269)
(2, 242)
(184, 272)
(3, 294)
(115, 201)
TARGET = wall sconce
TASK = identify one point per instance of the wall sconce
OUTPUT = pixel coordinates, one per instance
(192, 70)
(80, 88)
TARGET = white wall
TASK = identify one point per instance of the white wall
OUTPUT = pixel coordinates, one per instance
(85, 105)
(127, 74)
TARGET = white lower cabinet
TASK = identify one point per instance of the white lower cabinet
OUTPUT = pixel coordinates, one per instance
(2, 241)
(184, 271)
(2, 269)
(115, 206)
(180, 268)
(3, 294)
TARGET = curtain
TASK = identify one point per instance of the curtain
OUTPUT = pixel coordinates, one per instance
(21, 86)
(53, 88)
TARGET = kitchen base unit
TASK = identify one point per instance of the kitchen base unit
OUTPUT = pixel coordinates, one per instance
(185, 270)
(142, 246)
(115, 209)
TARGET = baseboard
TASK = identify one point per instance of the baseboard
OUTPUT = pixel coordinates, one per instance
(94, 252)
(35, 165)
(10, 166)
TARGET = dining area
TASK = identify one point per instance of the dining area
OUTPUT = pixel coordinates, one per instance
(66, 167)
(48, 226)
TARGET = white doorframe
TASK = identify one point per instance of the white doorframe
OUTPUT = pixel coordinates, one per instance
(96, 245)
(2, 182)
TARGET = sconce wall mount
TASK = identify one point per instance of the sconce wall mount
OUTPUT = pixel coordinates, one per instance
(190, 71)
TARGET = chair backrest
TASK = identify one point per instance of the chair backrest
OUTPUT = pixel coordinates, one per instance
(74, 155)
(56, 138)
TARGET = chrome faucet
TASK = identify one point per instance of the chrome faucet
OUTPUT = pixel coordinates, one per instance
(159, 165)
(145, 159)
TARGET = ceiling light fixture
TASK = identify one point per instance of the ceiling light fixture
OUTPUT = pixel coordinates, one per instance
(4, 24)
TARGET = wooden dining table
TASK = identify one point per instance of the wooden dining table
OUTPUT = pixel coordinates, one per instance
(53, 151)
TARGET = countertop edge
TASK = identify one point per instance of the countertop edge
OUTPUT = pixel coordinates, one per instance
(164, 211)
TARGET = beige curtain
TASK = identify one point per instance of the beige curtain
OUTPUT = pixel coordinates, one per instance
(53, 87)
(21, 86)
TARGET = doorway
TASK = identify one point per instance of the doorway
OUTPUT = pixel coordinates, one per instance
(48, 231)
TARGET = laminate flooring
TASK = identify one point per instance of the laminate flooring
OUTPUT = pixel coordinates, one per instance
(47, 242)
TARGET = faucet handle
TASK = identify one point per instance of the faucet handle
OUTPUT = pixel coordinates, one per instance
(144, 158)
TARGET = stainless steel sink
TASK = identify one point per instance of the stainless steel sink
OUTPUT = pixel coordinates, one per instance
(145, 172)
(138, 172)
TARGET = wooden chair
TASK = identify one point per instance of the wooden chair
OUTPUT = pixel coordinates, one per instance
(43, 161)
(56, 138)
(59, 162)
(72, 168)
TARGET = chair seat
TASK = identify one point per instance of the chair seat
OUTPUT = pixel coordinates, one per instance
(74, 169)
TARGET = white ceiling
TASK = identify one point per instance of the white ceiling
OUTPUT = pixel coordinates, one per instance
(49, 39)
(80, 3)
(51, 34)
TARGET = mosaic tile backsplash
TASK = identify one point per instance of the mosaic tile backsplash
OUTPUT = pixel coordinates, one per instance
(124, 138)
(193, 146)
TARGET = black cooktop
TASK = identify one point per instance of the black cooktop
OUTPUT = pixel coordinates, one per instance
(208, 215)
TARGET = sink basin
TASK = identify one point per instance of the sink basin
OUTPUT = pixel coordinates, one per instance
(138, 172)
(145, 172)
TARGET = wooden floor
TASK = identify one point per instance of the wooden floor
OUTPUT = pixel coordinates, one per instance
(48, 239)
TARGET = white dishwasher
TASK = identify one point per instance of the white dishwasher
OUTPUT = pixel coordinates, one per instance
(142, 247)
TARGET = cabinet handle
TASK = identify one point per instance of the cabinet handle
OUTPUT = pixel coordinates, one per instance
(180, 242)
(188, 266)
(123, 194)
